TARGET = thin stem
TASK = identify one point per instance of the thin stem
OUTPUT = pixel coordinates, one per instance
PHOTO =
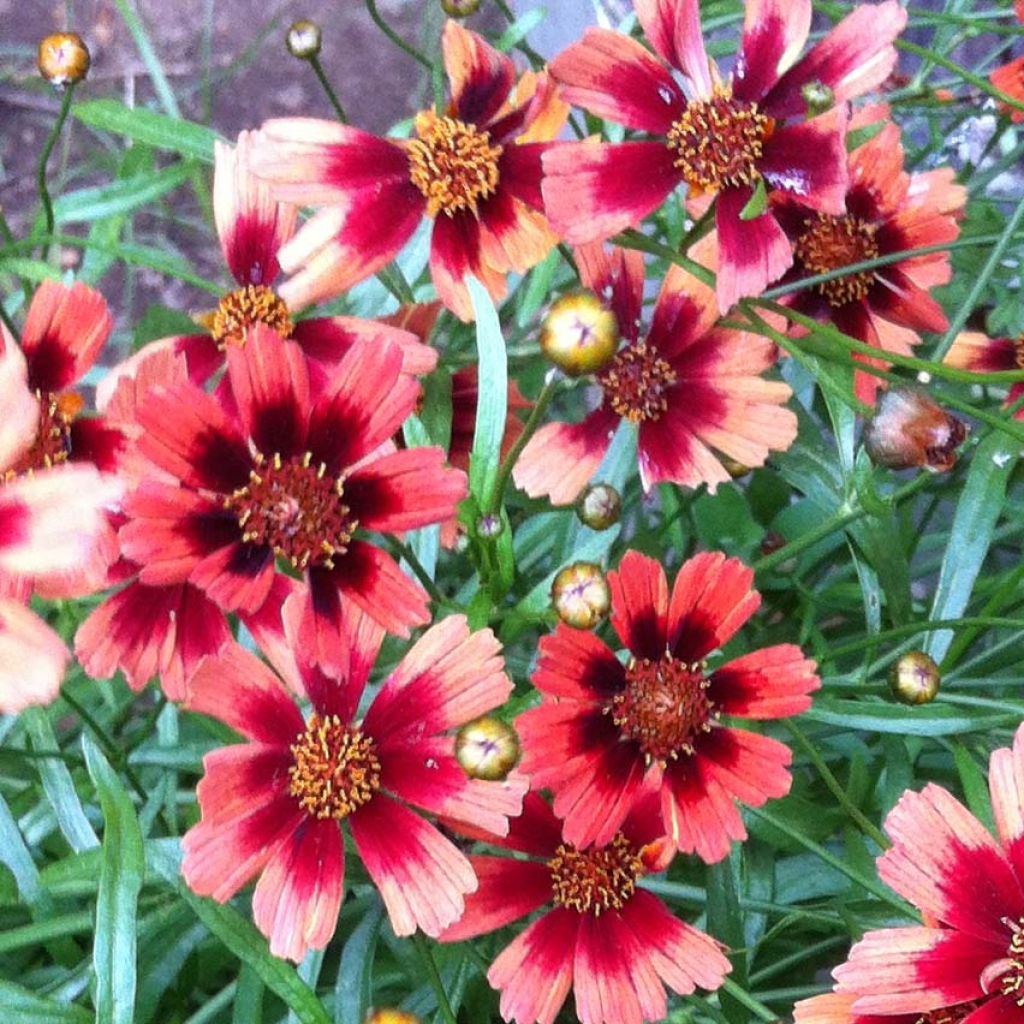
(331, 95)
(535, 59)
(741, 995)
(405, 552)
(371, 6)
(44, 158)
(852, 810)
(427, 958)
(968, 76)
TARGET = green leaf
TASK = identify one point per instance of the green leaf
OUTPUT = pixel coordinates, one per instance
(15, 854)
(114, 947)
(492, 405)
(353, 992)
(156, 130)
(92, 204)
(970, 536)
(725, 922)
(926, 720)
(19, 1005)
(859, 136)
(757, 203)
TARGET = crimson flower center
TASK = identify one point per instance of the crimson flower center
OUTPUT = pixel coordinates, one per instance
(1006, 976)
(719, 141)
(294, 509)
(593, 881)
(52, 445)
(664, 707)
(830, 243)
(636, 382)
(948, 1014)
(334, 770)
(244, 308)
(453, 164)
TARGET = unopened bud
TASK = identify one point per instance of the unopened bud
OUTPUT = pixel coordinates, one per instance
(818, 97)
(580, 595)
(489, 527)
(910, 429)
(737, 470)
(391, 1017)
(63, 59)
(304, 39)
(579, 334)
(599, 507)
(487, 749)
(460, 8)
(915, 678)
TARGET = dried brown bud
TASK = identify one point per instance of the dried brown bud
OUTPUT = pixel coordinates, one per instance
(915, 678)
(460, 8)
(579, 334)
(910, 429)
(580, 595)
(303, 39)
(63, 59)
(599, 506)
(391, 1017)
(487, 749)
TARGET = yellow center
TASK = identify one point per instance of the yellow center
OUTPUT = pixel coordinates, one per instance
(335, 770)
(52, 445)
(244, 308)
(593, 881)
(636, 382)
(718, 142)
(453, 164)
(831, 243)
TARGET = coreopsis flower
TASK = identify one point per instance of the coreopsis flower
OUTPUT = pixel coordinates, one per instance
(731, 138)
(887, 211)
(252, 229)
(475, 172)
(687, 386)
(615, 945)
(274, 806)
(965, 965)
(1009, 79)
(606, 729)
(979, 353)
(288, 472)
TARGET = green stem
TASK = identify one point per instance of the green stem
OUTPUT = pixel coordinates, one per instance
(741, 995)
(371, 6)
(326, 85)
(403, 551)
(852, 810)
(976, 622)
(427, 958)
(44, 159)
(961, 72)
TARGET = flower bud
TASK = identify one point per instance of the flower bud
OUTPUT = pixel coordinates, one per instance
(63, 59)
(460, 8)
(735, 469)
(910, 429)
(489, 527)
(579, 334)
(914, 679)
(818, 97)
(487, 749)
(580, 595)
(391, 1017)
(599, 507)
(303, 39)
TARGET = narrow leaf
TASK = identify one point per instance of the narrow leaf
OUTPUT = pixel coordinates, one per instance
(156, 130)
(354, 988)
(492, 405)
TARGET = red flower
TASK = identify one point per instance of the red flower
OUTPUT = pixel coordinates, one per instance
(614, 944)
(593, 190)
(688, 386)
(252, 229)
(887, 211)
(606, 729)
(1009, 78)
(475, 172)
(967, 962)
(274, 806)
(975, 351)
(283, 469)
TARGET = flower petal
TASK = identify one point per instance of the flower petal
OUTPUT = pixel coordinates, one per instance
(33, 659)
(508, 890)
(617, 276)
(775, 682)
(481, 77)
(673, 28)
(640, 605)
(1006, 787)
(774, 33)
(575, 665)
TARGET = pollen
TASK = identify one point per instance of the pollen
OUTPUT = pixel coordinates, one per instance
(335, 769)
(52, 445)
(719, 141)
(664, 707)
(294, 508)
(1018, 346)
(831, 243)
(1006, 976)
(636, 383)
(244, 308)
(593, 881)
(453, 164)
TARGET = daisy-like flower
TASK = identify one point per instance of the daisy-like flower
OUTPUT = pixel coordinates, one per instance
(273, 806)
(252, 228)
(614, 944)
(687, 386)
(965, 965)
(605, 730)
(286, 471)
(887, 211)
(475, 171)
(1009, 78)
(979, 353)
(723, 138)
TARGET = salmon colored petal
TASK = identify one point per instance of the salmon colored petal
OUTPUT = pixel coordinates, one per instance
(546, 111)
(33, 660)
(687, 307)
(481, 78)
(508, 890)
(456, 252)
(673, 28)
(615, 78)
(753, 253)
(65, 330)
(1007, 79)
(774, 33)
(774, 682)
(612, 980)
(751, 768)
(298, 896)
(328, 339)
(700, 816)
(669, 450)
(251, 225)
(1006, 787)
(594, 190)
(422, 877)
(575, 665)
(238, 576)
(640, 605)
(512, 236)
(19, 407)
(321, 623)
(975, 351)
(828, 1008)
(617, 276)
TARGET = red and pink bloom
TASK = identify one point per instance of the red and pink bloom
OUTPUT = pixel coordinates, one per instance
(979, 353)
(607, 730)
